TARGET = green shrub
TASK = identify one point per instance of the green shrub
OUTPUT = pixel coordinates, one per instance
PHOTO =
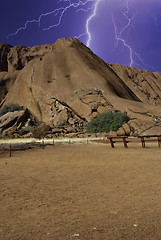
(148, 95)
(28, 129)
(41, 130)
(106, 122)
(10, 108)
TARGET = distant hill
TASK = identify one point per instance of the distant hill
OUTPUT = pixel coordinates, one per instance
(67, 84)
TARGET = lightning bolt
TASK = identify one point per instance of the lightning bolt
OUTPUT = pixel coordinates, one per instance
(94, 7)
(156, 23)
(120, 39)
(89, 20)
(118, 36)
(91, 6)
(129, 20)
(61, 11)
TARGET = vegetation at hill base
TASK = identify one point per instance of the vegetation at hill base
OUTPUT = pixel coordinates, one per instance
(41, 130)
(11, 107)
(20, 124)
(106, 122)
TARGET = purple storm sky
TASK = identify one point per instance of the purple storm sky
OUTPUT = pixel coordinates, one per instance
(126, 32)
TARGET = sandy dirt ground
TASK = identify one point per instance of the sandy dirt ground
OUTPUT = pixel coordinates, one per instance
(72, 192)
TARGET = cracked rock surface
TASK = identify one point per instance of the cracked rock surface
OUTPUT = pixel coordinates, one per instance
(65, 85)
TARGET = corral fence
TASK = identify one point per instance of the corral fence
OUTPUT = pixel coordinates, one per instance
(20, 145)
(13, 146)
(144, 139)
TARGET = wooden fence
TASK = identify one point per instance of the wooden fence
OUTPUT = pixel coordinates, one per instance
(10, 148)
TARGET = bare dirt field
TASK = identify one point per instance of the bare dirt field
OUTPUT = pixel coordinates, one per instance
(71, 192)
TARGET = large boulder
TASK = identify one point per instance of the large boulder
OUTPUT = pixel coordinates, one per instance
(15, 119)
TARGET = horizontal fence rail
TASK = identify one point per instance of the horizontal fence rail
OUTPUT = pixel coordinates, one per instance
(112, 140)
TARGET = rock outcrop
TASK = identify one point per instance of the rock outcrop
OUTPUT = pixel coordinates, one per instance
(4, 52)
(146, 85)
(17, 122)
(65, 85)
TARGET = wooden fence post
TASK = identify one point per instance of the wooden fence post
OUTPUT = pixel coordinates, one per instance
(10, 150)
(159, 141)
(43, 144)
(125, 142)
(111, 141)
(143, 142)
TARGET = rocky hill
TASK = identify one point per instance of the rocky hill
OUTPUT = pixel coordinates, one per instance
(65, 85)
(146, 85)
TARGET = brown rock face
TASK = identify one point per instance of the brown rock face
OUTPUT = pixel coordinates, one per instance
(146, 85)
(19, 56)
(67, 84)
(7, 80)
(4, 51)
(66, 68)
